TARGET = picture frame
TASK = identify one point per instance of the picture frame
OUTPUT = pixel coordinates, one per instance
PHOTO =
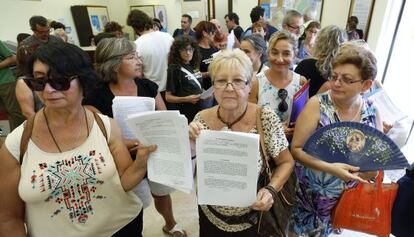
(275, 10)
(148, 9)
(98, 17)
(160, 12)
(363, 10)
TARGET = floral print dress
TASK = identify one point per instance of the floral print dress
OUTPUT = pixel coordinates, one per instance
(319, 191)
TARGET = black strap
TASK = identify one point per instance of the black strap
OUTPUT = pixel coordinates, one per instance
(101, 125)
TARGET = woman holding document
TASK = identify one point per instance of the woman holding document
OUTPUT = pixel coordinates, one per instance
(121, 71)
(66, 171)
(277, 86)
(321, 183)
(232, 73)
(184, 81)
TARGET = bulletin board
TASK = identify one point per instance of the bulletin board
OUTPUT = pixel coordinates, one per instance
(98, 17)
(275, 9)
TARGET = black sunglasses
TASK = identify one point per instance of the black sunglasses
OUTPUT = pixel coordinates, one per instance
(283, 106)
(60, 83)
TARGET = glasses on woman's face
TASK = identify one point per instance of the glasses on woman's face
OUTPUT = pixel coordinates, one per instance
(237, 84)
(343, 80)
(283, 106)
(187, 50)
(132, 56)
(60, 83)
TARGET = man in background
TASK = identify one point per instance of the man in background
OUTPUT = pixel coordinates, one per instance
(257, 15)
(232, 23)
(186, 21)
(293, 22)
(8, 86)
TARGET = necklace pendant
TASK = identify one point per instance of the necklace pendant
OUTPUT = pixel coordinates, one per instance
(225, 128)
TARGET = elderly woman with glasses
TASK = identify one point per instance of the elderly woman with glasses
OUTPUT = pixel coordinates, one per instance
(321, 183)
(66, 167)
(121, 71)
(276, 86)
(232, 73)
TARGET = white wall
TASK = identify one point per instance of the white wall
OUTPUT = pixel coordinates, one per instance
(15, 14)
(243, 8)
(335, 12)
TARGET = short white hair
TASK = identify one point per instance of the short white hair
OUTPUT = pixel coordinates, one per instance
(229, 59)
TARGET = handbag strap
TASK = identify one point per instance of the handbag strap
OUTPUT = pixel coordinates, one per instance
(27, 133)
(265, 156)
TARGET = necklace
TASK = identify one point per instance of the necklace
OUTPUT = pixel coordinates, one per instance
(356, 113)
(228, 124)
(80, 129)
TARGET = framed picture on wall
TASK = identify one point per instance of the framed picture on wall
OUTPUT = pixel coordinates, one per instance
(161, 14)
(98, 16)
(275, 9)
(148, 9)
(362, 10)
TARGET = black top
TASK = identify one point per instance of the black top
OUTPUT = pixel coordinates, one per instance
(308, 69)
(180, 84)
(102, 97)
(238, 31)
(206, 59)
(179, 32)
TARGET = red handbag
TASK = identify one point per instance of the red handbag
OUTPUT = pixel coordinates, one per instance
(366, 208)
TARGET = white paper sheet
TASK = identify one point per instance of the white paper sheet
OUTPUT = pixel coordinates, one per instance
(227, 168)
(207, 93)
(123, 106)
(170, 164)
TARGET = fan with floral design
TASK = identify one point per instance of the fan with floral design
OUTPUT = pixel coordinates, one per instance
(355, 144)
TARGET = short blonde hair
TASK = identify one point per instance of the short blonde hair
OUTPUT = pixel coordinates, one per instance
(229, 59)
(282, 35)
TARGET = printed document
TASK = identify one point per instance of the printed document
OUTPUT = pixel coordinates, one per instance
(227, 168)
(170, 164)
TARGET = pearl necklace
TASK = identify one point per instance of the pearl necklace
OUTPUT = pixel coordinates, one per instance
(358, 112)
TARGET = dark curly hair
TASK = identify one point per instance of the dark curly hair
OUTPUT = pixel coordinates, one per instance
(256, 13)
(139, 21)
(180, 43)
(112, 26)
(205, 26)
(66, 60)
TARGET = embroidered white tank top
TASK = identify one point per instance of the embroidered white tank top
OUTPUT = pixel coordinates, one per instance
(267, 94)
(74, 193)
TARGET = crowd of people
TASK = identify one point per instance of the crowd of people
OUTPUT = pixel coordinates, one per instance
(69, 166)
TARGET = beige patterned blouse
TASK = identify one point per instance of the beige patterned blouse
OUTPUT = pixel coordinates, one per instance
(275, 142)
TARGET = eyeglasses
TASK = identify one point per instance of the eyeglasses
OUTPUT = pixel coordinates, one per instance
(343, 80)
(132, 56)
(283, 106)
(187, 50)
(59, 83)
(237, 84)
(298, 28)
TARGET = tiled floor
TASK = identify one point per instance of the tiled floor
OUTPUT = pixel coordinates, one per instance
(185, 211)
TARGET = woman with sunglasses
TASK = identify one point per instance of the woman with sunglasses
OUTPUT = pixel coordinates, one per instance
(276, 86)
(321, 183)
(232, 73)
(121, 71)
(184, 81)
(76, 173)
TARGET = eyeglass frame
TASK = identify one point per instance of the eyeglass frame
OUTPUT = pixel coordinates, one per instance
(186, 50)
(341, 80)
(224, 86)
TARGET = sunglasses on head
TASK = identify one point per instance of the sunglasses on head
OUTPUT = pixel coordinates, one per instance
(60, 83)
(283, 106)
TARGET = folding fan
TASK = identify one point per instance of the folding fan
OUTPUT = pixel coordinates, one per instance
(355, 144)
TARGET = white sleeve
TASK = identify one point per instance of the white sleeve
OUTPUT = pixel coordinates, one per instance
(12, 142)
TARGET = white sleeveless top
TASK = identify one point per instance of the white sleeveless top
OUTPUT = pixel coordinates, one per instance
(74, 193)
(267, 94)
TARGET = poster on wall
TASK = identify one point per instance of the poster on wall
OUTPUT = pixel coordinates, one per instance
(148, 9)
(98, 16)
(278, 8)
(161, 13)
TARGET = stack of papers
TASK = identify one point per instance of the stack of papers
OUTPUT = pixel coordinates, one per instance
(227, 168)
(170, 164)
(123, 106)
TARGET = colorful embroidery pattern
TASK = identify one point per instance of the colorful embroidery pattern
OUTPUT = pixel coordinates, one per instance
(72, 183)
